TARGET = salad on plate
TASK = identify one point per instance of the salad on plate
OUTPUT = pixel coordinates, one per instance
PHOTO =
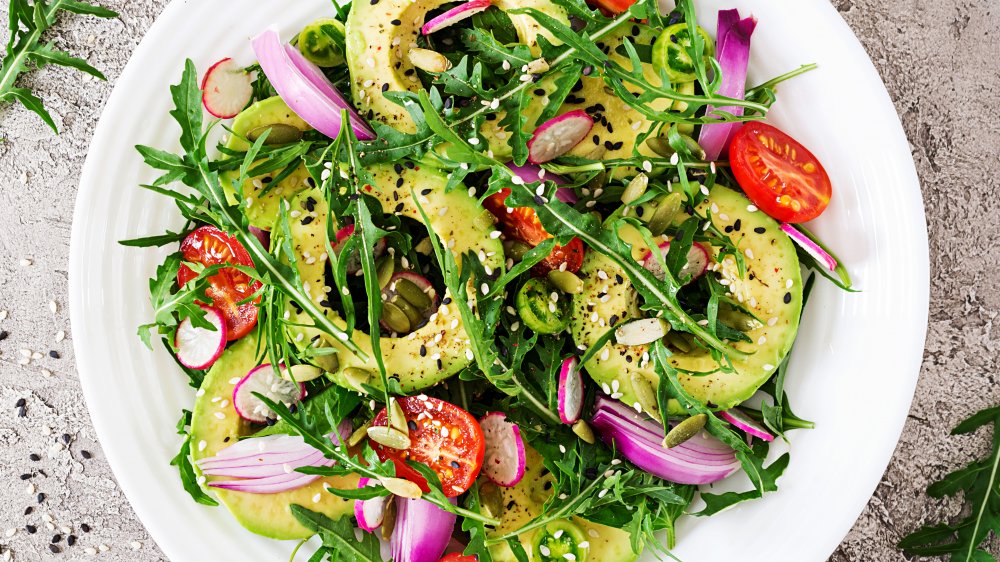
(493, 280)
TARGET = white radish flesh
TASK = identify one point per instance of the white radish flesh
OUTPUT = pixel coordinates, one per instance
(505, 457)
(198, 347)
(226, 89)
(370, 513)
(558, 135)
(570, 394)
(262, 380)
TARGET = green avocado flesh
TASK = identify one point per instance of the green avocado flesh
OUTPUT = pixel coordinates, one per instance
(215, 424)
(772, 291)
(437, 350)
(523, 502)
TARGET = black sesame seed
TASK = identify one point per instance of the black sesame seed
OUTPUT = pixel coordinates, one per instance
(423, 350)
(293, 408)
(226, 440)
(788, 298)
(30, 528)
(449, 102)
(54, 354)
(22, 412)
(618, 145)
(548, 485)
(306, 221)
(398, 168)
(596, 139)
(20, 403)
(619, 279)
(412, 425)
(491, 116)
(408, 72)
(25, 476)
(639, 211)
(55, 549)
(425, 191)
(28, 510)
(66, 437)
(511, 505)
(86, 454)
(266, 179)
(85, 528)
(635, 30)
(3, 335)
(728, 229)
(71, 540)
(609, 145)
(270, 421)
(737, 225)
(399, 182)
(396, 22)
(40, 497)
(56, 538)
(538, 200)
(446, 300)
(385, 87)
(454, 464)
(539, 91)
(34, 457)
(760, 230)
(440, 364)
(613, 320)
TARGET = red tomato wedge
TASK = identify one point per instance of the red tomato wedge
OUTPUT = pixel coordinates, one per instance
(459, 557)
(522, 224)
(442, 436)
(611, 7)
(778, 174)
(208, 245)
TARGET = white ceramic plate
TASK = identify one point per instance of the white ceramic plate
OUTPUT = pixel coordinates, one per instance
(853, 370)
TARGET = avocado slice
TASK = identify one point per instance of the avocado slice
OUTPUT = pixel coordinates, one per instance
(772, 291)
(215, 424)
(523, 502)
(381, 33)
(261, 209)
(437, 350)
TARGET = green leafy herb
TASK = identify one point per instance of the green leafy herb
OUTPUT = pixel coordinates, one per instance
(28, 21)
(979, 483)
(340, 542)
(189, 478)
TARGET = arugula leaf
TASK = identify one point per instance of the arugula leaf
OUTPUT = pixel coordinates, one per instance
(979, 483)
(28, 21)
(340, 541)
(464, 79)
(491, 51)
(189, 478)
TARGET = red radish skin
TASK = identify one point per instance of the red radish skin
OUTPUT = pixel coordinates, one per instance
(505, 459)
(741, 421)
(262, 380)
(370, 513)
(531, 173)
(226, 89)
(455, 15)
(698, 259)
(198, 348)
(558, 135)
(570, 393)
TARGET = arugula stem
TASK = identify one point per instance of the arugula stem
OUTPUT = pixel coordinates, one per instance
(566, 510)
(779, 79)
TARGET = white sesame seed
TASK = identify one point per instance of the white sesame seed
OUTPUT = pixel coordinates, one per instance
(316, 498)
(751, 208)
(103, 547)
(495, 234)
(220, 415)
(749, 253)
(91, 551)
(772, 321)
(3, 315)
(53, 307)
(788, 284)
(26, 262)
(674, 159)
(768, 366)
(473, 141)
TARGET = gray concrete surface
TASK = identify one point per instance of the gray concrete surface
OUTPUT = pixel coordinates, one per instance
(939, 60)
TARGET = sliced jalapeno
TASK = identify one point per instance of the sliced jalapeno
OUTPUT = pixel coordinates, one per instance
(560, 540)
(670, 52)
(543, 308)
(322, 42)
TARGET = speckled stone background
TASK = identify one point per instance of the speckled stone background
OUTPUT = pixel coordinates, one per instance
(939, 58)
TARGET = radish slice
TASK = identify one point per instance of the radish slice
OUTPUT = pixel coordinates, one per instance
(697, 262)
(531, 173)
(558, 135)
(811, 248)
(263, 381)
(370, 513)
(226, 89)
(198, 348)
(455, 15)
(505, 456)
(305, 88)
(743, 422)
(570, 395)
(354, 263)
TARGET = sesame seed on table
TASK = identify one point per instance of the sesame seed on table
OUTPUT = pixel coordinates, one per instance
(58, 497)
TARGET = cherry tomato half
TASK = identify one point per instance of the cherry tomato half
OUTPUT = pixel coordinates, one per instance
(459, 557)
(442, 436)
(611, 7)
(778, 174)
(208, 245)
(522, 224)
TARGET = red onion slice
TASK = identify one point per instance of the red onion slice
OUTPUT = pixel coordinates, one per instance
(455, 15)
(422, 532)
(811, 248)
(733, 38)
(531, 173)
(743, 422)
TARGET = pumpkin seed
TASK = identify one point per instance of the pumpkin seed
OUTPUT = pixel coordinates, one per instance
(685, 430)
(357, 377)
(644, 393)
(424, 247)
(395, 319)
(660, 146)
(384, 268)
(583, 431)
(412, 314)
(566, 282)
(359, 435)
(635, 189)
(281, 133)
(679, 341)
(737, 319)
(397, 417)
(484, 221)
(412, 293)
(301, 373)
(389, 437)
(491, 500)
(428, 60)
(666, 211)
(401, 487)
(515, 249)
(389, 518)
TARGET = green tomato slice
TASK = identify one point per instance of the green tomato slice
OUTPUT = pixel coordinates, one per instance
(539, 310)
(322, 42)
(557, 540)
(670, 52)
